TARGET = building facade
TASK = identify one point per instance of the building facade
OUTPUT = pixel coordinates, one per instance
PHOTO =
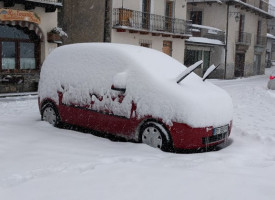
(25, 41)
(157, 24)
(245, 25)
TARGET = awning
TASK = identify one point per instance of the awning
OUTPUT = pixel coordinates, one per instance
(31, 26)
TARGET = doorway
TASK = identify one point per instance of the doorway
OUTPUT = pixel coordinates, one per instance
(146, 7)
(239, 64)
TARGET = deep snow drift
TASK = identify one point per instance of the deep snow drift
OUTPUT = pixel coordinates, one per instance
(41, 162)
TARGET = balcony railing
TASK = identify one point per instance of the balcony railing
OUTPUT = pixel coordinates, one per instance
(260, 41)
(141, 21)
(254, 5)
(56, 2)
(243, 38)
(208, 32)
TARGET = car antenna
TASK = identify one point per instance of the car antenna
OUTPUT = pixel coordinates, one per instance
(188, 71)
(209, 71)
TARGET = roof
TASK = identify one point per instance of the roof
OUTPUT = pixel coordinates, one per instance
(202, 40)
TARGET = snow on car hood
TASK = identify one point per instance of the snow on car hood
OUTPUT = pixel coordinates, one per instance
(80, 70)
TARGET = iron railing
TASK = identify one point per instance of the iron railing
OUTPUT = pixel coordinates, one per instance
(261, 4)
(58, 2)
(243, 38)
(260, 40)
(208, 32)
(142, 21)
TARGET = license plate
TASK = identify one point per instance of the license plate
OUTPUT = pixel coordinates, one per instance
(220, 130)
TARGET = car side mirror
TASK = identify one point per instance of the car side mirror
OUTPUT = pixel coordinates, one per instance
(118, 88)
(119, 82)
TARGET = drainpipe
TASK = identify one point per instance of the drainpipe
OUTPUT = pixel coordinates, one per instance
(226, 41)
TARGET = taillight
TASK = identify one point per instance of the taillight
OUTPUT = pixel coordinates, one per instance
(272, 77)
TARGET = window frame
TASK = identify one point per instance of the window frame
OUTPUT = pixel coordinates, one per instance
(17, 41)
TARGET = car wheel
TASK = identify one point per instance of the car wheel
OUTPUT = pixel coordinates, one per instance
(152, 135)
(50, 114)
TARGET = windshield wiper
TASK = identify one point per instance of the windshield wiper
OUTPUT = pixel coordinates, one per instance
(209, 71)
(188, 71)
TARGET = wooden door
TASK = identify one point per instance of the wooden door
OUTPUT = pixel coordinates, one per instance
(146, 7)
(169, 14)
(239, 64)
(167, 47)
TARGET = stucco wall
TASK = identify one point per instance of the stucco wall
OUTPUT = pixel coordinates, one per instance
(178, 45)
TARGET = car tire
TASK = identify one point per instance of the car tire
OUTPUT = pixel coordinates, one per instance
(152, 134)
(50, 114)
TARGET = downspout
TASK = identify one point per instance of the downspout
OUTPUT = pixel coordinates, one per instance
(226, 41)
(107, 22)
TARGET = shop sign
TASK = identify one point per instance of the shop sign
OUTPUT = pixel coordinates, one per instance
(18, 15)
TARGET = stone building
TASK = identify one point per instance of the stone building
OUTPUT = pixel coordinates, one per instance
(27, 36)
(244, 23)
(157, 24)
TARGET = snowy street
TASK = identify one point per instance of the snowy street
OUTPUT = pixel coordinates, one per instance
(40, 162)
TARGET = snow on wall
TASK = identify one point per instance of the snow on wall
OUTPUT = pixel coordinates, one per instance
(83, 71)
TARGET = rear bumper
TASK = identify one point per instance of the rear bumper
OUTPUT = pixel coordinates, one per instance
(186, 137)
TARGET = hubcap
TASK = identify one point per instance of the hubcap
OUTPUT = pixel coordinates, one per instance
(49, 115)
(152, 137)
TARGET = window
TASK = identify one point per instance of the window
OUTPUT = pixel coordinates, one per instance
(192, 56)
(146, 7)
(19, 48)
(145, 43)
(196, 17)
(8, 55)
(167, 47)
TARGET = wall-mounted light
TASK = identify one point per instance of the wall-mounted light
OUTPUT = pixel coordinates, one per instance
(183, 3)
(237, 15)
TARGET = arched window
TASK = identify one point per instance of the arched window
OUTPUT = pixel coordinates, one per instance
(19, 48)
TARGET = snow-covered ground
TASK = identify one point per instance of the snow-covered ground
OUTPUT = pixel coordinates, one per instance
(40, 162)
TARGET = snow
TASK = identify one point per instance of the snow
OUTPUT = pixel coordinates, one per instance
(41, 162)
(205, 40)
(268, 35)
(206, 27)
(80, 71)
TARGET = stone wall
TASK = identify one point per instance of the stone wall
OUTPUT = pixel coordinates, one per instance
(12, 83)
(83, 21)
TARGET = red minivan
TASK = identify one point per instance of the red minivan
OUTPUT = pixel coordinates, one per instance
(133, 92)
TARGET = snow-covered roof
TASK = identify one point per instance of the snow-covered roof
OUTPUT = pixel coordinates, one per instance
(206, 27)
(149, 76)
(215, 1)
(205, 41)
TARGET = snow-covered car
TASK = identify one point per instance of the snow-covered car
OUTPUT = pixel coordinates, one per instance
(133, 92)
(271, 81)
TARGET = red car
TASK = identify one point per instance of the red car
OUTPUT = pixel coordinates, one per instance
(133, 92)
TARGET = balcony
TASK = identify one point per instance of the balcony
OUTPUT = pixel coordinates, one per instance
(144, 23)
(243, 41)
(260, 7)
(49, 5)
(208, 32)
